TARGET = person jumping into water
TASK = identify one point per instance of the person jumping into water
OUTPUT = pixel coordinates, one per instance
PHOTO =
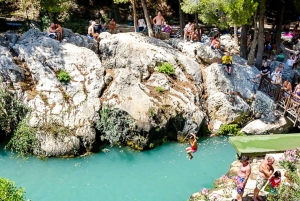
(194, 146)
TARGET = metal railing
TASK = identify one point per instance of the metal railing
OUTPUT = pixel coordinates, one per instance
(271, 90)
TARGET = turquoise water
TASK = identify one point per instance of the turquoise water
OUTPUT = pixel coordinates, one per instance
(161, 174)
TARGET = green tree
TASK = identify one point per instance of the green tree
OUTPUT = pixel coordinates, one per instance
(9, 192)
(54, 7)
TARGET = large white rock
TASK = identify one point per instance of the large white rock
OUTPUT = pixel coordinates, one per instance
(132, 60)
(197, 50)
(74, 105)
(258, 127)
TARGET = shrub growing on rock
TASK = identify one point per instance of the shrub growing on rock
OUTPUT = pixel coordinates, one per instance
(63, 76)
(24, 141)
(166, 68)
(11, 109)
(118, 127)
(233, 129)
(9, 192)
(160, 89)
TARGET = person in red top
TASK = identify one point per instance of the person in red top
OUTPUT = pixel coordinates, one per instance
(215, 43)
(194, 146)
(275, 179)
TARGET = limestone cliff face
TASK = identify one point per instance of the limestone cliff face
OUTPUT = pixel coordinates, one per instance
(125, 79)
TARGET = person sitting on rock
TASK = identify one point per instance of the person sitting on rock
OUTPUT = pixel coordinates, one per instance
(227, 63)
(194, 146)
(264, 71)
(91, 32)
(55, 31)
(277, 80)
(215, 43)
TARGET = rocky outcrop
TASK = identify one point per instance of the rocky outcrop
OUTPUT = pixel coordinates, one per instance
(72, 106)
(199, 51)
(229, 96)
(258, 127)
(126, 80)
(228, 44)
(132, 62)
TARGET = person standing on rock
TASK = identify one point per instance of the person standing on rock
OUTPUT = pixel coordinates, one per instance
(243, 176)
(194, 146)
(158, 21)
(266, 170)
(112, 26)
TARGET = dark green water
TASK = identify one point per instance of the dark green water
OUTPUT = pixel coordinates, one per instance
(162, 174)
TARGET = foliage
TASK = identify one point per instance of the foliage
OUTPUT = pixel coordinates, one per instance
(291, 159)
(116, 126)
(11, 109)
(166, 68)
(77, 25)
(45, 22)
(63, 76)
(160, 89)
(24, 140)
(203, 195)
(9, 192)
(222, 13)
(54, 6)
(229, 129)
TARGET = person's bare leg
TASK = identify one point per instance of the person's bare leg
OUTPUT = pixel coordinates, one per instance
(255, 194)
(229, 70)
(239, 197)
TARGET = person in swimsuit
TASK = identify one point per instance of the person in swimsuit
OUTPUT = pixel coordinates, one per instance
(243, 175)
(297, 90)
(194, 146)
(275, 182)
(265, 171)
(158, 21)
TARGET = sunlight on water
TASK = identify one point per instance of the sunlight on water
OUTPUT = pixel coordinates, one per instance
(162, 174)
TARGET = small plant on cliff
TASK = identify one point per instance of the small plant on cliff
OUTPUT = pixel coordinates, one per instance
(9, 192)
(166, 68)
(226, 129)
(24, 141)
(63, 76)
(160, 89)
(11, 109)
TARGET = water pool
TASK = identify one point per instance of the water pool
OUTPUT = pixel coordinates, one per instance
(162, 174)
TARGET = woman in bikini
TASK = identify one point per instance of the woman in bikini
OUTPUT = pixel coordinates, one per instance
(194, 146)
(243, 175)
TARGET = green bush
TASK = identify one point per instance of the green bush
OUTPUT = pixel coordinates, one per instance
(78, 26)
(9, 192)
(229, 129)
(11, 109)
(24, 141)
(63, 76)
(45, 22)
(166, 68)
(160, 89)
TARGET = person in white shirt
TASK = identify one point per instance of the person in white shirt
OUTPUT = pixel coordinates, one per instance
(290, 61)
(187, 30)
(141, 25)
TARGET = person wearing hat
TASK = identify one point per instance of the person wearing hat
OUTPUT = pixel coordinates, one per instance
(243, 175)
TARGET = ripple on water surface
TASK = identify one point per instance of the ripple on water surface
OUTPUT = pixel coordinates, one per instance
(162, 174)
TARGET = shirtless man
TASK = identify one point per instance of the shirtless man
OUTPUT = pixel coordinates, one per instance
(55, 31)
(265, 171)
(158, 21)
(194, 146)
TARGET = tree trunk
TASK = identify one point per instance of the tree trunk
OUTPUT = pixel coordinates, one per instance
(181, 16)
(197, 27)
(260, 40)
(133, 2)
(279, 19)
(235, 35)
(251, 55)
(243, 46)
(149, 27)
